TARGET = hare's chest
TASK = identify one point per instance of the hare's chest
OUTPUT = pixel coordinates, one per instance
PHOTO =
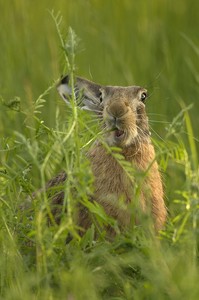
(111, 180)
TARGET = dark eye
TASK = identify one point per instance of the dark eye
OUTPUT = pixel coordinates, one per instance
(143, 96)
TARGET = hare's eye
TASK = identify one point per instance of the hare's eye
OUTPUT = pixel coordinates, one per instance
(143, 96)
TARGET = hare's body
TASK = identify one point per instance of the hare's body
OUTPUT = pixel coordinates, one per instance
(125, 125)
(112, 183)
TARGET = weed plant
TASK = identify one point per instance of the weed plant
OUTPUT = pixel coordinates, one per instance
(36, 262)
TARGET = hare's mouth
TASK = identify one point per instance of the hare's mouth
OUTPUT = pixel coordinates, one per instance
(118, 133)
(121, 137)
(118, 137)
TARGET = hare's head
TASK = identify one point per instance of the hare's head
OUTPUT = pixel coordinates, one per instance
(122, 108)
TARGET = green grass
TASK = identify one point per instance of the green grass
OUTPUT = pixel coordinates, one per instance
(148, 43)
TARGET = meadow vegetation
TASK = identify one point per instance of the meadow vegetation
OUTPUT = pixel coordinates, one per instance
(145, 43)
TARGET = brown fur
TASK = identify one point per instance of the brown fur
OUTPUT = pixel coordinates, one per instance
(126, 125)
(112, 183)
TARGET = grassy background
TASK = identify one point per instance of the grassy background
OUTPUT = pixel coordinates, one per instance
(149, 43)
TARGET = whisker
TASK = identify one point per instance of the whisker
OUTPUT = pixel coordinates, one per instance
(154, 114)
(161, 122)
(141, 131)
(95, 121)
(91, 109)
(157, 134)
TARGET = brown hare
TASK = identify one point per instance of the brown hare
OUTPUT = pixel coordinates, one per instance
(126, 123)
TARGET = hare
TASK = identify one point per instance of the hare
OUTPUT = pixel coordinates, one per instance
(126, 122)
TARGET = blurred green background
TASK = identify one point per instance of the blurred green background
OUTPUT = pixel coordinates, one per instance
(123, 42)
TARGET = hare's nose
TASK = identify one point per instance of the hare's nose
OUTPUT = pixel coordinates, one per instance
(117, 110)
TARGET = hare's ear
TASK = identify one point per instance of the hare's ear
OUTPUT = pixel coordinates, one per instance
(64, 88)
(87, 93)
